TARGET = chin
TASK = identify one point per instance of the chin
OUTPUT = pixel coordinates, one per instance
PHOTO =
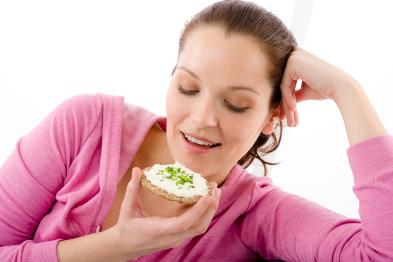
(197, 166)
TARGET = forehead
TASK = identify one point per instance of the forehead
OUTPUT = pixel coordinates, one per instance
(234, 59)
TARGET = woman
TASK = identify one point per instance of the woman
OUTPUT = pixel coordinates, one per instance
(71, 189)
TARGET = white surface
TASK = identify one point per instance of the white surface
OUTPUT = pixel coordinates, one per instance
(50, 50)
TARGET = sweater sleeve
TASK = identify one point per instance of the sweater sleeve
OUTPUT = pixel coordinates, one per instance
(35, 171)
(284, 226)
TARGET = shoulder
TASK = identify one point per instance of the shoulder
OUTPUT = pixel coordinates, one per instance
(79, 106)
(254, 181)
(135, 114)
(82, 103)
(245, 187)
(88, 108)
(258, 187)
(76, 117)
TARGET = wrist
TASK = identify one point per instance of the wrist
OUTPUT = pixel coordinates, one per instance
(346, 91)
(114, 243)
(94, 247)
(122, 250)
(360, 118)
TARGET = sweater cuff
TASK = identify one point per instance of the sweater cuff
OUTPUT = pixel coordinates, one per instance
(42, 251)
(370, 158)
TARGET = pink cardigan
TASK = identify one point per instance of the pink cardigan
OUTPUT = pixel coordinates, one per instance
(61, 179)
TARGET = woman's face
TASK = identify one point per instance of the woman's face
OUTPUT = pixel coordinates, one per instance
(219, 92)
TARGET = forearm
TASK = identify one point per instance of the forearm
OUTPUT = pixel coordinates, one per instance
(95, 247)
(360, 118)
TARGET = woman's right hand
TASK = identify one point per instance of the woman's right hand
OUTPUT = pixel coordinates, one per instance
(136, 235)
(320, 80)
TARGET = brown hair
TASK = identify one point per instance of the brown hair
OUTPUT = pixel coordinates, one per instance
(274, 39)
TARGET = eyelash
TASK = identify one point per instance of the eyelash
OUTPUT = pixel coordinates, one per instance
(194, 92)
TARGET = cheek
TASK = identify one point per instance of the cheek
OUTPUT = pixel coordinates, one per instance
(171, 109)
(172, 103)
(243, 134)
(239, 135)
(176, 106)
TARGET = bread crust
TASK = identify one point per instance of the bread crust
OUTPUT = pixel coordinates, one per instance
(163, 193)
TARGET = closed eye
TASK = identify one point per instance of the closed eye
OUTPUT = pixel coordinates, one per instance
(234, 108)
(228, 105)
(186, 92)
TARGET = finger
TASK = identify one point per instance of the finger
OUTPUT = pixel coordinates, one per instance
(174, 243)
(296, 115)
(288, 114)
(188, 218)
(289, 99)
(202, 224)
(215, 199)
(282, 111)
(129, 203)
(288, 86)
(291, 119)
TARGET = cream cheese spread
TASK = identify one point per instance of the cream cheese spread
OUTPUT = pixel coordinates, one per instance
(177, 180)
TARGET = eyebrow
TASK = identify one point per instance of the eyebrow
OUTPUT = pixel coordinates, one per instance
(245, 88)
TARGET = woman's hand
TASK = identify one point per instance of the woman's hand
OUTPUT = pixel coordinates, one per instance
(136, 235)
(320, 80)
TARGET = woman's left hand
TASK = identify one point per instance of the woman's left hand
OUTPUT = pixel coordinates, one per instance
(320, 80)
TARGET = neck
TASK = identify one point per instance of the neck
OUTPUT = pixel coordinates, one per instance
(155, 148)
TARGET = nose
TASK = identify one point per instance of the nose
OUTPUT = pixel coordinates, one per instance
(204, 113)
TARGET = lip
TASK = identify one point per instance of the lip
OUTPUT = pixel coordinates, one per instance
(195, 148)
(200, 138)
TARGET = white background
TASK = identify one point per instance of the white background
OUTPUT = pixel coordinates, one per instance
(51, 50)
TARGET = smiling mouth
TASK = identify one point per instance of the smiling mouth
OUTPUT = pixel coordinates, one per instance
(197, 144)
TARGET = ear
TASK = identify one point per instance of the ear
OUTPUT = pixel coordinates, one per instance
(270, 126)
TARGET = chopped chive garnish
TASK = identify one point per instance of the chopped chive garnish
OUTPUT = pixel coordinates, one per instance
(179, 176)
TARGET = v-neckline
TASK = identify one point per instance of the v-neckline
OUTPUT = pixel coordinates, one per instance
(111, 216)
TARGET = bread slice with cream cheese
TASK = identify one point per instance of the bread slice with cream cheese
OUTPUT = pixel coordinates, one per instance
(175, 182)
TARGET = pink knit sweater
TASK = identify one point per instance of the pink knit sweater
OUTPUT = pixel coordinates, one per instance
(61, 179)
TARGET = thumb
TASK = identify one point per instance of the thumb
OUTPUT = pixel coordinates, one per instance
(129, 206)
